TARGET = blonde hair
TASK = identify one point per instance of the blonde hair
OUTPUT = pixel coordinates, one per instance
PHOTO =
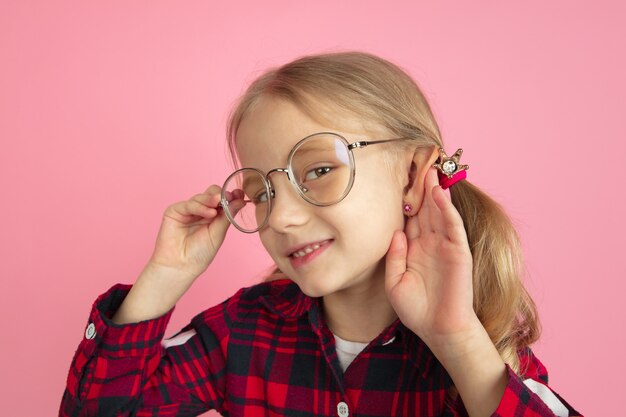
(377, 90)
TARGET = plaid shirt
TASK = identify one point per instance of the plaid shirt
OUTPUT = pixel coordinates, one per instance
(265, 351)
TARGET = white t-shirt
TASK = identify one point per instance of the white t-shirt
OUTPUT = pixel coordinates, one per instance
(347, 351)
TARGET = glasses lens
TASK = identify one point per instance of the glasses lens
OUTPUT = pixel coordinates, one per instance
(322, 167)
(255, 196)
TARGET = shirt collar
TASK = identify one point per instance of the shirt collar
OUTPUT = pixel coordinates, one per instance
(286, 300)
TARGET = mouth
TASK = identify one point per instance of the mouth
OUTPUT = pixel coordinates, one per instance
(308, 248)
(306, 254)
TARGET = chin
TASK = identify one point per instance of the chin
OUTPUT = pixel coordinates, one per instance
(315, 289)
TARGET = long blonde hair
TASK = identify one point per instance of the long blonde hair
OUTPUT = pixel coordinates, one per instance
(377, 90)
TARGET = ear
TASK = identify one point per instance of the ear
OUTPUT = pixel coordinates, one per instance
(421, 161)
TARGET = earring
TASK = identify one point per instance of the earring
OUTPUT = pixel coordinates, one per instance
(407, 209)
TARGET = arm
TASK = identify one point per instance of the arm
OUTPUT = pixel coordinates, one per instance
(120, 366)
(429, 282)
(534, 386)
(119, 370)
(489, 387)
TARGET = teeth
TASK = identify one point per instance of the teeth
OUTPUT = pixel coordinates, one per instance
(306, 250)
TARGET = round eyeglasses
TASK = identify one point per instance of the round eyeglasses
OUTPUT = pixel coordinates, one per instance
(320, 167)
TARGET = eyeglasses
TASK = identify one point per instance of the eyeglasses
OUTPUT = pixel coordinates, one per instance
(320, 167)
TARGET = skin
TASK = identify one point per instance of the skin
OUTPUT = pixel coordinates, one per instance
(379, 266)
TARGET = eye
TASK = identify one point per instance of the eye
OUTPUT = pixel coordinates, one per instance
(262, 197)
(316, 173)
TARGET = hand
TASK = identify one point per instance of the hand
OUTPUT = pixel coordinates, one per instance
(192, 232)
(429, 271)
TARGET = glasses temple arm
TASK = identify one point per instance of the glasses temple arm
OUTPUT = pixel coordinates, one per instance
(364, 143)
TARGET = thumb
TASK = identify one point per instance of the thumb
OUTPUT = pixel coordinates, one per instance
(220, 225)
(395, 262)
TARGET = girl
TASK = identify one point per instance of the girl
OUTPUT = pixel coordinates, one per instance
(389, 298)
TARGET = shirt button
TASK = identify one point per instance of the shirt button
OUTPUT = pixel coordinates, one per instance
(342, 409)
(90, 333)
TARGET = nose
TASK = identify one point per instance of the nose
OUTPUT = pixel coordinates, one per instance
(288, 207)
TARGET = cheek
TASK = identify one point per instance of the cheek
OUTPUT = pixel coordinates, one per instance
(387, 215)
(376, 213)
(384, 199)
(266, 241)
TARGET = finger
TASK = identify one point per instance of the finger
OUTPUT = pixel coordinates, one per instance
(203, 209)
(412, 227)
(395, 261)
(233, 195)
(209, 200)
(213, 189)
(211, 197)
(193, 210)
(425, 224)
(238, 194)
(447, 193)
(436, 216)
(218, 228)
(451, 218)
(235, 205)
(219, 223)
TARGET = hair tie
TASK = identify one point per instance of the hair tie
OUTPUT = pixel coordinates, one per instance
(449, 169)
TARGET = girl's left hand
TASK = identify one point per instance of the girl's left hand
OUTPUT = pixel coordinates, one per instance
(429, 271)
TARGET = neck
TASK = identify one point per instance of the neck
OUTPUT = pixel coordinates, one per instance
(361, 312)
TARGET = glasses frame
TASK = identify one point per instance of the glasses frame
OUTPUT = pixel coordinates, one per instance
(288, 170)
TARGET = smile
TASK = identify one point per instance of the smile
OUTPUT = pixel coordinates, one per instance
(306, 250)
(307, 253)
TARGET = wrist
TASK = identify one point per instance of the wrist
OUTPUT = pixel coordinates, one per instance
(476, 368)
(459, 345)
(156, 291)
(469, 353)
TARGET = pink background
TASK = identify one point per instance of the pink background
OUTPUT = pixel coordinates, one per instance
(111, 111)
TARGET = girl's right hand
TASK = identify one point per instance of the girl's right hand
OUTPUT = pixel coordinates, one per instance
(192, 232)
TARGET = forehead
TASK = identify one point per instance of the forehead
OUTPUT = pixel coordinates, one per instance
(274, 125)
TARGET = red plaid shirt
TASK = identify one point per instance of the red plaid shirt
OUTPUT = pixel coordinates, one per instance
(265, 351)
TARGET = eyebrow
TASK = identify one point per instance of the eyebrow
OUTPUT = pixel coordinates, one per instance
(308, 150)
(331, 146)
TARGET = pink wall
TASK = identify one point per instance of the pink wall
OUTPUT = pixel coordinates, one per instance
(109, 113)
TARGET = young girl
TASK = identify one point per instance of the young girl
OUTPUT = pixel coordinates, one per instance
(389, 298)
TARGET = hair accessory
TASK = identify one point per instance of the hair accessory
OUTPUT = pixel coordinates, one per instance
(450, 171)
(407, 208)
